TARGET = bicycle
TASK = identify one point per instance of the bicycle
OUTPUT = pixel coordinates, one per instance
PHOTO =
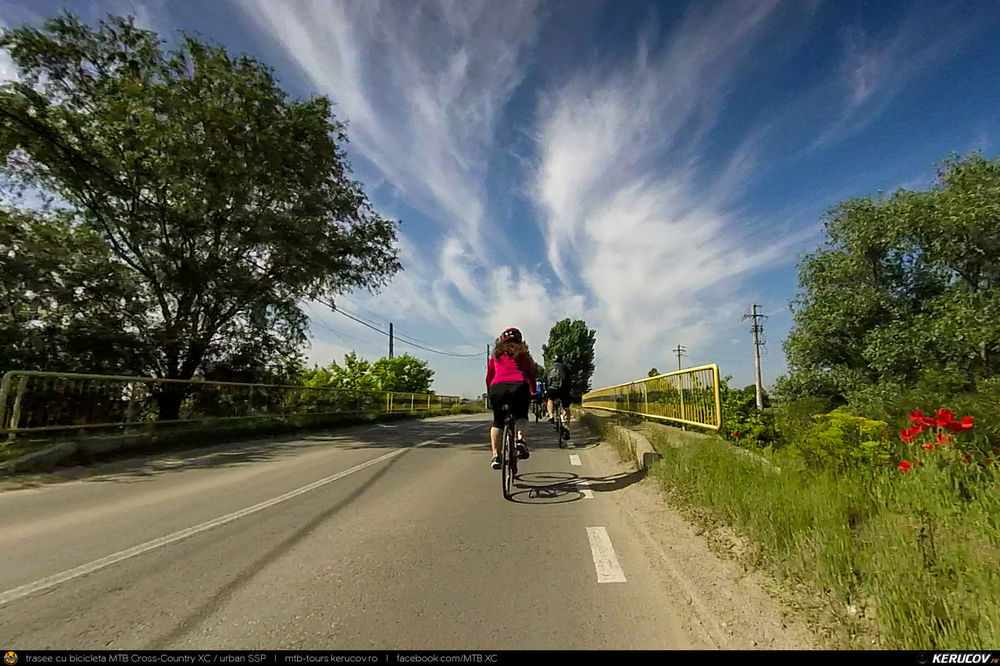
(508, 453)
(561, 428)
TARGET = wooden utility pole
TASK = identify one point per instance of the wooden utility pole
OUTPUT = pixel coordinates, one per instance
(757, 328)
(390, 339)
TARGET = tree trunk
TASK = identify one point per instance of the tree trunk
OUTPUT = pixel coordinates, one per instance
(171, 396)
(169, 401)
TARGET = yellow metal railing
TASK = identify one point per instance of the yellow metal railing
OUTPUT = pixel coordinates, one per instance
(688, 396)
(52, 401)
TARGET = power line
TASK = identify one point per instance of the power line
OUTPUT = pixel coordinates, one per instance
(386, 333)
(343, 337)
(396, 332)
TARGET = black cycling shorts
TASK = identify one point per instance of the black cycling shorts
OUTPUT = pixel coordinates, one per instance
(515, 394)
(560, 394)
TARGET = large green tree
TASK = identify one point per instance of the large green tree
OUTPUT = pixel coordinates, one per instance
(572, 340)
(223, 201)
(906, 284)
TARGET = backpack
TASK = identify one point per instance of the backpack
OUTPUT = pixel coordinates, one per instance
(556, 376)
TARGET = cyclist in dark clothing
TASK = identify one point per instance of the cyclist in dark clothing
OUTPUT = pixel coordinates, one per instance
(557, 380)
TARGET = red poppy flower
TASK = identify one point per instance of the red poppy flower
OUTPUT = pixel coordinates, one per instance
(906, 436)
(967, 422)
(905, 466)
(928, 447)
(944, 417)
(920, 463)
(916, 415)
(916, 429)
(929, 421)
(736, 434)
(986, 460)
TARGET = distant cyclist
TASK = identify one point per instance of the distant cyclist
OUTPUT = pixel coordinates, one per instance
(539, 399)
(510, 379)
(557, 380)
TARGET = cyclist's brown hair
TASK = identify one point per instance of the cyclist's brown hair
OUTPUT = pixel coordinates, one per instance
(511, 349)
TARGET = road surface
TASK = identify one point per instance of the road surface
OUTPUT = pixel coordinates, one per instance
(376, 537)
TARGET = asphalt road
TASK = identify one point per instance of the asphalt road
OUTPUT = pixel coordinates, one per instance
(378, 537)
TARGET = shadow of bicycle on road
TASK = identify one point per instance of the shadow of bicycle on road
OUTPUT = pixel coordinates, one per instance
(564, 487)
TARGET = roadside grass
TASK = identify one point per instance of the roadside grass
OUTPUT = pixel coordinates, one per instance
(909, 560)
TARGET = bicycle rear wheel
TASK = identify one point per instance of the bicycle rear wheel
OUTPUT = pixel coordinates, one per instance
(507, 462)
(560, 428)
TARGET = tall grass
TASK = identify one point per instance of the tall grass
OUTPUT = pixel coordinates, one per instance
(918, 552)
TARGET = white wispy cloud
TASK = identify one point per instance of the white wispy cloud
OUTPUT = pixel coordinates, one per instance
(875, 68)
(630, 218)
(646, 238)
(421, 85)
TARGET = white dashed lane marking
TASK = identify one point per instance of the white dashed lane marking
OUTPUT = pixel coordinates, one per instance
(605, 560)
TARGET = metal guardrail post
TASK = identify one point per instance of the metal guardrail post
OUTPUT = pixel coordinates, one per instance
(718, 399)
(15, 417)
(4, 392)
(680, 383)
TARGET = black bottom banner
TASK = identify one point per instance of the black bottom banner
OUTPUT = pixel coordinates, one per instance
(483, 658)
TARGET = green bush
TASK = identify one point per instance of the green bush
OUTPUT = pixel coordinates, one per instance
(839, 440)
(934, 391)
(742, 422)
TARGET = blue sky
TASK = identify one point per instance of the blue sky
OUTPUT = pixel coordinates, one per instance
(651, 168)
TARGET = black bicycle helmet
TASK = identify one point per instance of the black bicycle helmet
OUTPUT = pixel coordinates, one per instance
(511, 334)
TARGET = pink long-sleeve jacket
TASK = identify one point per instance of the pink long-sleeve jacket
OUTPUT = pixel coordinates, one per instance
(507, 369)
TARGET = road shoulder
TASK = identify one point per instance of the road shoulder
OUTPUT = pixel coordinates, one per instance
(729, 598)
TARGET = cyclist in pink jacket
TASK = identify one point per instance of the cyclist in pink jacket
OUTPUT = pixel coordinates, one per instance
(510, 379)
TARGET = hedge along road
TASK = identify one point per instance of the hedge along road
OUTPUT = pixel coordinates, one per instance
(384, 536)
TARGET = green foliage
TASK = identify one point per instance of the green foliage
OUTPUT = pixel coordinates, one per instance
(906, 283)
(402, 373)
(914, 553)
(932, 391)
(742, 422)
(575, 343)
(218, 201)
(652, 372)
(840, 440)
(65, 304)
